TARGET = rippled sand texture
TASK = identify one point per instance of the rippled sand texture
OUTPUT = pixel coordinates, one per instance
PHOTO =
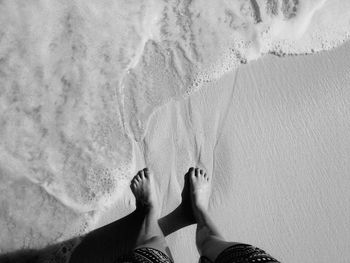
(79, 81)
(278, 148)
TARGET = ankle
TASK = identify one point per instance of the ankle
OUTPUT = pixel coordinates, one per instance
(145, 208)
(201, 216)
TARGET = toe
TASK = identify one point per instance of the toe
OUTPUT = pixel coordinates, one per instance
(202, 173)
(187, 177)
(146, 172)
(142, 175)
(197, 173)
(133, 186)
(191, 172)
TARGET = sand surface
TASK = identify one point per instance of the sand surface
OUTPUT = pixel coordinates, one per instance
(278, 149)
(91, 91)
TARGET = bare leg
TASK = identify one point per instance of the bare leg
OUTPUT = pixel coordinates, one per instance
(138, 229)
(145, 192)
(209, 241)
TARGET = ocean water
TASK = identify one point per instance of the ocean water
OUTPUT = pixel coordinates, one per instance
(79, 81)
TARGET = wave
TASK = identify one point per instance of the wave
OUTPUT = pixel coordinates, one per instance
(80, 79)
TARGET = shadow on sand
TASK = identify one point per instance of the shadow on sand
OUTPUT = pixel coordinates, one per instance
(105, 244)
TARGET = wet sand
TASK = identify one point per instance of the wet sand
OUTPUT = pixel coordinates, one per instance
(278, 149)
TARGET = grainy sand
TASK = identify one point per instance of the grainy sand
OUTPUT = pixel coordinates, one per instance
(281, 161)
(91, 91)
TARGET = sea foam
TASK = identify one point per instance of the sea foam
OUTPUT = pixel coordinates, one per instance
(80, 80)
(197, 41)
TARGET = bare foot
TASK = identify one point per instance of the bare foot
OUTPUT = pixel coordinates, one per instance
(145, 192)
(200, 191)
(182, 215)
(186, 207)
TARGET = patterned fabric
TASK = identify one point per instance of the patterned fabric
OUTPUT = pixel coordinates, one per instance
(146, 255)
(241, 253)
(150, 255)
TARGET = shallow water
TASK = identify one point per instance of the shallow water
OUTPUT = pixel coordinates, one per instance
(81, 79)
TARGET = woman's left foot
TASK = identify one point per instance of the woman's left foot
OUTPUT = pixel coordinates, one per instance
(144, 189)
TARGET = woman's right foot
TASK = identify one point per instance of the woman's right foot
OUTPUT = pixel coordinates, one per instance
(195, 199)
(185, 210)
(200, 189)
